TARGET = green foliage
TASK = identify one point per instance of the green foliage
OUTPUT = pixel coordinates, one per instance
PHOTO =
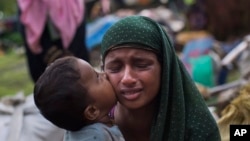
(8, 7)
(14, 37)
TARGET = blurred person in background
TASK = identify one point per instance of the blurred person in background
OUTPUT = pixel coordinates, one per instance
(52, 29)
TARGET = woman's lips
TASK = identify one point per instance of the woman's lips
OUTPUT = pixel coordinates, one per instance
(131, 94)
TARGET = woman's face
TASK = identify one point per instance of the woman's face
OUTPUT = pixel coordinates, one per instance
(134, 74)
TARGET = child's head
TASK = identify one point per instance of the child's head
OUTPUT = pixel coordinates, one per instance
(71, 94)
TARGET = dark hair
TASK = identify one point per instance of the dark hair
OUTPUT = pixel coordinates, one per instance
(60, 97)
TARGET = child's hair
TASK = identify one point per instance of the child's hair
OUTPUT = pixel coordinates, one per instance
(60, 97)
(237, 112)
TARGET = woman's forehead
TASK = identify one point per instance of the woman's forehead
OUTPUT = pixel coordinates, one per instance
(127, 51)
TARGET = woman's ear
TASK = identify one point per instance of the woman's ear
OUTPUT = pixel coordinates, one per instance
(91, 112)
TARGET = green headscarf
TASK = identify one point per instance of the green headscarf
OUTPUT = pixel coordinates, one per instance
(183, 114)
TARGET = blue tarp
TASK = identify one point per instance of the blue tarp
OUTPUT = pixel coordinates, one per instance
(96, 30)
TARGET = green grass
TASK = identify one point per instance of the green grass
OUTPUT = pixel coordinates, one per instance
(14, 75)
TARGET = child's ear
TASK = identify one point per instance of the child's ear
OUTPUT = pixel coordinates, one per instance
(91, 112)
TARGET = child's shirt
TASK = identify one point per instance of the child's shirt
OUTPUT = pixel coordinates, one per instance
(95, 132)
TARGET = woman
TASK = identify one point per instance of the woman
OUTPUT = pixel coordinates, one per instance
(157, 98)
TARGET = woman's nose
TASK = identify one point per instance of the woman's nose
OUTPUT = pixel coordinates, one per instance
(128, 77)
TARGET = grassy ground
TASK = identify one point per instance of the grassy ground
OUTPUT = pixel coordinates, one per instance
(14, 75)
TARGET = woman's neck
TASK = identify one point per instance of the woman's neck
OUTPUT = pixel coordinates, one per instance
(135, 124)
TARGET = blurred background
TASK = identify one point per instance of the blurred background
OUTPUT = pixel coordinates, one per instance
(210, 37)
(14, 75)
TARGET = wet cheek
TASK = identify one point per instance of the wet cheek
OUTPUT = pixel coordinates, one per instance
(114, 80)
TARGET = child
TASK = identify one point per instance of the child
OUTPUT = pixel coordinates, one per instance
(73, 96)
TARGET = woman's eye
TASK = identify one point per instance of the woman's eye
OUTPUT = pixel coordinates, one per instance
(141, 65)
(113, 69)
